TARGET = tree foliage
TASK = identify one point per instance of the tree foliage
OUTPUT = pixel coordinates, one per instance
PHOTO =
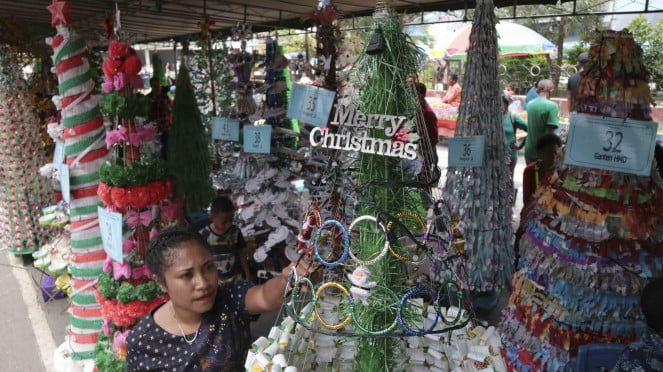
(650, 38)
(556, 28)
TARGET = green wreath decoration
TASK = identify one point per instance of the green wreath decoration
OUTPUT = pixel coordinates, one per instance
(138, 173)
(125, 107)
(126, 292)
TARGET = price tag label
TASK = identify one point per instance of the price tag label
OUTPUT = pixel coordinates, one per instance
(466, 151)
(58, 155)
(65, 186)
(110, 226)
(257, 139)
(311, 104)
(613, 144)
(225, 129)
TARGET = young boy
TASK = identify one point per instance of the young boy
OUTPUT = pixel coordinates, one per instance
(226, 240)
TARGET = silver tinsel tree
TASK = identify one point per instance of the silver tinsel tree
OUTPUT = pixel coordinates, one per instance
(481, 196)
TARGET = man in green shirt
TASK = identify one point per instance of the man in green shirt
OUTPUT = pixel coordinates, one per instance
(542, 117)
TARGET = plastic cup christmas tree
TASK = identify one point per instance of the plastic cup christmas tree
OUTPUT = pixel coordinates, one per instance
(24, 192)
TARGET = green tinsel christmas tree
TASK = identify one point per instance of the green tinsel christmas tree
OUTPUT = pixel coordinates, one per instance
(381, 78)
(159, 70)
(188, 156)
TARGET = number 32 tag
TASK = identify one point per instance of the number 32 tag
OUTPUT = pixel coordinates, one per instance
(613, 144)
(466, 151)
(257, 138)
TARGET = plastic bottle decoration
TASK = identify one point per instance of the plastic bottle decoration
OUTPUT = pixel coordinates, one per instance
(24, 192)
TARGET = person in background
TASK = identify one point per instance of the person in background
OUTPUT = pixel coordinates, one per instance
(646, 354)
(226, 241)
(453, 93)
(531, 93)
(430, 120)
(542, 117)
(512, 121)
(160, 112)
(537, 174)
(197, 328)
(510, 89)
(304, 79)
(574, 82)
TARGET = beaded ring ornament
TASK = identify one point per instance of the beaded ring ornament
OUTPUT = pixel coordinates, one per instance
(436, 305)
(311, 220)
(384, 250)
(365, 329)
(417, 257)
(346, 244)
(344, 291)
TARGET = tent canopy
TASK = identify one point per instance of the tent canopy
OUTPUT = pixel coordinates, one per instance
(513, 40)
(155, 20)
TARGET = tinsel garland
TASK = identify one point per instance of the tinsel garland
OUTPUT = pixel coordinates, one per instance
(481, 196)
(188, 145)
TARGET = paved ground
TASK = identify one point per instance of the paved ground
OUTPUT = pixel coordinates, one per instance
(31, 329)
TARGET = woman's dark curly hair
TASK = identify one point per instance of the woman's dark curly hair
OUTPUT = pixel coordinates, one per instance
(160, 250)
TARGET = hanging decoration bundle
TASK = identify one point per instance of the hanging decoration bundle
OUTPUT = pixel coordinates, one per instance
(24, 193)
(592, 237)
(481, 196)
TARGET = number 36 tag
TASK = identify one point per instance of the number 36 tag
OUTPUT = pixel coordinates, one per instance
(614, 144)
(466, 151)
(257, 138)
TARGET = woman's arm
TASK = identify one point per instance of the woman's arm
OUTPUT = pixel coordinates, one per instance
(520, 123)
(269, 296)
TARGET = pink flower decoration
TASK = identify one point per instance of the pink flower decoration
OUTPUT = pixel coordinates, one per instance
(402, 135)
(106, 328)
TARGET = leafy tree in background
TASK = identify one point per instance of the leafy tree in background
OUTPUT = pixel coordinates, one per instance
(650, 38)
(556, 28)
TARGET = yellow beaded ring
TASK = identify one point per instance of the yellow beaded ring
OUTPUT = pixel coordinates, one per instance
(421, 223)
(318, 293)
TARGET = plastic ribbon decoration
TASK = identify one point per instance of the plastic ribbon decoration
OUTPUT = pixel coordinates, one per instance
(128, 245)
(119, 270)
(147, 133)
(115, 136)
(133, 218)
(119, 81)
(141, 272)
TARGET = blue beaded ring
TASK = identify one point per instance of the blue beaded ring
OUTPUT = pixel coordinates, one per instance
(410, 293)
(346, 244)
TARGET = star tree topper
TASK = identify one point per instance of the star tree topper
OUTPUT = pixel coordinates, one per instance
(60, 12)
